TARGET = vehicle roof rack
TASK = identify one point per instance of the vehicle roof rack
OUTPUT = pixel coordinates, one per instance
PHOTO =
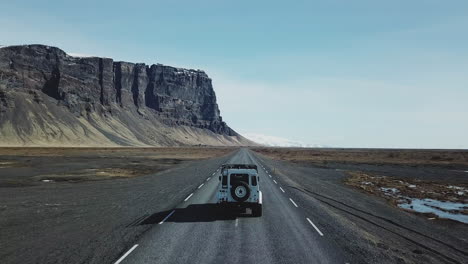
(239, 166)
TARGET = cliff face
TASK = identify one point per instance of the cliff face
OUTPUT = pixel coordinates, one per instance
(93, 90)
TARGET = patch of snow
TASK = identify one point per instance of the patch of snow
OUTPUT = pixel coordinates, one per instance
(47, 180)
(389, 190)
(367, 183)
(456, 187)
(438, 208)
(79, 55)
(184, 71)
(460, 193)
(412, 186)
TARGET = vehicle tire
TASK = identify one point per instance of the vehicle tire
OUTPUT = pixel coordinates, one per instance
(240, 191)
(257, 210)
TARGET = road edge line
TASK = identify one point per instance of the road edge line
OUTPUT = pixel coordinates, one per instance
(188, 197)
(167, 217)
(126, 254)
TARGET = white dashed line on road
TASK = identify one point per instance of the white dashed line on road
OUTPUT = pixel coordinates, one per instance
(293, 202)
(281, 189)
(126, 254)
(316, 228)
(188, 197)
(275, 182)
(167, 217)
(214, 173)
(269, 175)
(200, 185)
(209, 178)
(237, 222)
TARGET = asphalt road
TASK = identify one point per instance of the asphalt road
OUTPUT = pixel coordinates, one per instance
(309, 216)
(195, 233)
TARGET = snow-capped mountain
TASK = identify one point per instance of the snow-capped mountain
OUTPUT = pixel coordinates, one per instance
(274, 141)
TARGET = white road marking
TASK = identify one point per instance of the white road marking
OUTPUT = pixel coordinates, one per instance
(188, 197)
(316, 228)
(281, 189)
(209, 178)
(293, 202)
(167, 217)
(275, 182)
(237, 221)
(200, 185)
(269, 175)
(266, 171)
(214, 173)
(126, 254)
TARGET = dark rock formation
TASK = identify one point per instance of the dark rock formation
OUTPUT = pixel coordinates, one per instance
(91, 85)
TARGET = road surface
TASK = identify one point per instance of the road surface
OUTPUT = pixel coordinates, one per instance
(309, 216)
(194, 232)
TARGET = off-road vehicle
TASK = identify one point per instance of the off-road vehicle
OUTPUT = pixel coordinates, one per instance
(239, 188)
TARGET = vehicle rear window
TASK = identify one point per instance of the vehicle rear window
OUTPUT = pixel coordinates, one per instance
(224, 182)
(239, 177)
(254, 180)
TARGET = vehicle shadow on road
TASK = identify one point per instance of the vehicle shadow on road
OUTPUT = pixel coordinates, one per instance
(196, 213)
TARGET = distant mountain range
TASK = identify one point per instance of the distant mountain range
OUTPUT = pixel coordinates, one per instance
(49, 98)
(273, 141)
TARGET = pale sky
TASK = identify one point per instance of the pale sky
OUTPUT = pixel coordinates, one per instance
(359, 73)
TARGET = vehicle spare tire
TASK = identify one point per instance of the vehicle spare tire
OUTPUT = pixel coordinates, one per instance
(240, 191)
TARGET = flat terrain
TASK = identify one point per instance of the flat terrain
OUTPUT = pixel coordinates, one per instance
(415, 180)
(455, 159)
(311, 213)
(36, 166)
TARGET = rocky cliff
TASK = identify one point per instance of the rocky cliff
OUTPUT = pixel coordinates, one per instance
(48, 97)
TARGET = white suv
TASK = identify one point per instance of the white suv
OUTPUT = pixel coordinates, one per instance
(239, 187)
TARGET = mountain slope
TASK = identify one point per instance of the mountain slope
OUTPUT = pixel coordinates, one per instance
(48, 98)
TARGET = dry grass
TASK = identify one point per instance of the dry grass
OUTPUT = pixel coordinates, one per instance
(402, 191)
(98, 174)
(157, 153)
(32, 166)
(414, 188)
(8, 164)
(445, 158)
